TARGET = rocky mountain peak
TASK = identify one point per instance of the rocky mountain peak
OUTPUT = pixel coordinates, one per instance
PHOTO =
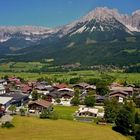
(137, 12)
(101, 14)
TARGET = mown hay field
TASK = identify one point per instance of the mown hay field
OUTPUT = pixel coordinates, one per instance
(31, 128)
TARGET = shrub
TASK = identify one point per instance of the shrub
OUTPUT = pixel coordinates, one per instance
(53, 116)
(22, 111)
(45, 114)
(7, 125)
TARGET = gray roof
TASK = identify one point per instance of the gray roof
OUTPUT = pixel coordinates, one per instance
(15, 95)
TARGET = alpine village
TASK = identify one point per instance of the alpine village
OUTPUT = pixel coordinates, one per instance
(79, 81)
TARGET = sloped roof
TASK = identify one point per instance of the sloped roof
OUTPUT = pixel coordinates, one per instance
(66, 89)
(16, 96)
(4, 100)
(118, 92)
(43, 103)
(60, 86)
(118, 95)
(129, 89)
(84, 85)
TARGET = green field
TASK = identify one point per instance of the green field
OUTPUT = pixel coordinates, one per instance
(20, 66)
(23, 69)
(29, 128)
(65, 112)
(120, 76)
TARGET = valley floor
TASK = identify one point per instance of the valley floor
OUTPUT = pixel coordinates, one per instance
(86, 74)
(31, 128)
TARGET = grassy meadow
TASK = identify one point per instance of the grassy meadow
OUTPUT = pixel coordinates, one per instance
(22, 69)
(87, 74)
(65, 112)
(31, 128)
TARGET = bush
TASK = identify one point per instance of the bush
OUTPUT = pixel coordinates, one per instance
(22, 111)
(7, 125)
(45, 114)
(53, 116)
(58, 100)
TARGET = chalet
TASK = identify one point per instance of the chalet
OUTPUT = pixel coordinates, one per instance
(129, 90)
(81, 86)
(43, 89)
(39, 105)
(100, 99)
(119, 95)
(66, 98)
(87, 112)
(52, 96)
(2, 89)
(26, 89)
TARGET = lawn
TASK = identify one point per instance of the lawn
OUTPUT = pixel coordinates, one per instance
(65, 112)
(29, 128)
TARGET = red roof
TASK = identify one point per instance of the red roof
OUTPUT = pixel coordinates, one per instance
(60, 86)
(14, 79)
(26, 88)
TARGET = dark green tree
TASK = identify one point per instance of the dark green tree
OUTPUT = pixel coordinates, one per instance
(75, 101)
(102, 89)
(35, 95)
(111, 110)
(89, 101)
(125, 120)
(58, 100)
(137, 118)
(137, 133)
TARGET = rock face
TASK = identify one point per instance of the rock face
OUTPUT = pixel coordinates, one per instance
(100, 14)
(29, 33)
(103, 19)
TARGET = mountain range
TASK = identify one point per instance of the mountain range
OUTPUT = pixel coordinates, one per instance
(103, 36)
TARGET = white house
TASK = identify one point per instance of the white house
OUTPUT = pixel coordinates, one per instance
(87, 112)
(2, 89)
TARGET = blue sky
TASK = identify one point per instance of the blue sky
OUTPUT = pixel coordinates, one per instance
(53, 13)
